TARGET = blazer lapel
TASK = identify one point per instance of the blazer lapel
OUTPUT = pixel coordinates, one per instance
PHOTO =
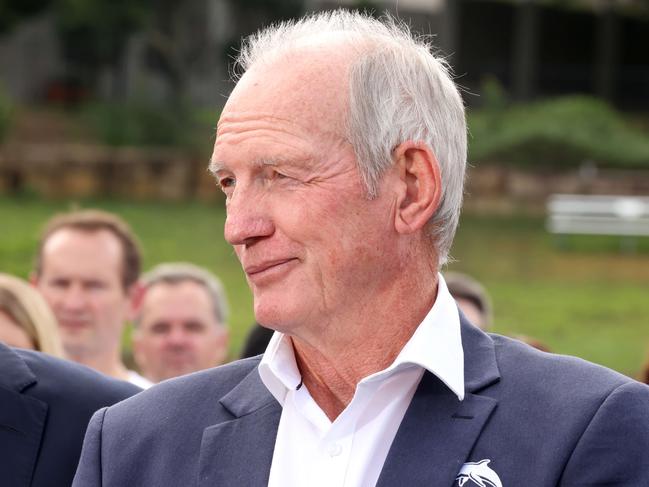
(22, 420)
(239, 451)
(438, 431)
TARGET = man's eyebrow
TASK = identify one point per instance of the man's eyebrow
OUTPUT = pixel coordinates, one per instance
(266, 162)
(215, 166)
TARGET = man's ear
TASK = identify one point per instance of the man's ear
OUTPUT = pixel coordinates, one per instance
(421, 188)
(136, 348)
(33, 279)
(222, 348)
(136, 297)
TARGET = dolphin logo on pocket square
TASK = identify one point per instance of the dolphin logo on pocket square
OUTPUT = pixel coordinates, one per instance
(479, 473)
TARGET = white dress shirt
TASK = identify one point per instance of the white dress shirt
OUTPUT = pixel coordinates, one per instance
(350, 451)
(138, 380)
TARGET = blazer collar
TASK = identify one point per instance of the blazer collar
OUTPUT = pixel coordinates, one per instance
(438, 431)
(22, 419)
(480, 366)
(248, 395)
(239, 450)
(16, 375)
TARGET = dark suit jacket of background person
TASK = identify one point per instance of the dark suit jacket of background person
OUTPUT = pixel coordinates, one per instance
(540, 419)
(45, 406)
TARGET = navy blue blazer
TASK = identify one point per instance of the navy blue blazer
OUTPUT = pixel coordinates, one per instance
(528, 419)
(45, 406)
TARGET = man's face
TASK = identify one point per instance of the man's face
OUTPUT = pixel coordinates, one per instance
(81, 281)
(178, 332)
(310, 242)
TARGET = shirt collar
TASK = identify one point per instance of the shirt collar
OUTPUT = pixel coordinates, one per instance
(435, 346)
(278, 369)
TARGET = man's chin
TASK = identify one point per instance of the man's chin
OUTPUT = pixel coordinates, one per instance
(274, 314)
(74, 348)
(75, 333)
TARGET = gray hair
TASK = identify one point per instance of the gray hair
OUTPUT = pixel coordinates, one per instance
(178, 272)
(399, 91)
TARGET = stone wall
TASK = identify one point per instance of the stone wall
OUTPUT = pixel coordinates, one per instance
(500, 188)
(81, 170)
(78, 170)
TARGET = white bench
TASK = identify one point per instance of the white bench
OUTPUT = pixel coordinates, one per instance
(626, 216)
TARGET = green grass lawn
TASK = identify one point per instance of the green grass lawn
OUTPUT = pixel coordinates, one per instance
(588, 299)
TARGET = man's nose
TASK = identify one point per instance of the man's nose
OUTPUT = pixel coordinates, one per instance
(176, 337)
(74, 298)
(248, 218)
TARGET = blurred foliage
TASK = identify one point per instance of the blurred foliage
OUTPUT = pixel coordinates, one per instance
(280, 9)
(368, 6)
(6, 112)
(558, 132)
(494, 97)
(13, 11)
(95, 32)
(142, 122)
(249, 15)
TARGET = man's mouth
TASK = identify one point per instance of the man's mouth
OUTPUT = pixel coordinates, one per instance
(268, 269)
(74, 324)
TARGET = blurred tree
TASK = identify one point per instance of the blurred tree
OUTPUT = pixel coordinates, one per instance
(95, 34)
(6, 112)
(13, 11)
(250, 15)
(175, 37)
(270, 10)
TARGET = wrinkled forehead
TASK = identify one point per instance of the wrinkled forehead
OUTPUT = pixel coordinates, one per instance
(309, 84)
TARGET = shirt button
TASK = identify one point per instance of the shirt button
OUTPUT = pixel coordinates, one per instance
(335, 449)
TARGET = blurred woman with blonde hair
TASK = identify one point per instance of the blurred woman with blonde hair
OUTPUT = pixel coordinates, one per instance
(26, 320)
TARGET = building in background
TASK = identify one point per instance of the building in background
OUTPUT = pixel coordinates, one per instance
(534, 48)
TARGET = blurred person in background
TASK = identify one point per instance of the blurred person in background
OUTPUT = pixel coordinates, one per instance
(533, 342)
(472, 298)
(256, 340)
(644, 372)
(474, 301)
(86, 268)
(180, 323)
(26, 321)
(45, 406)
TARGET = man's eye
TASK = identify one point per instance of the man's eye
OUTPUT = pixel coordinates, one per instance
(275, 175)
(226, 183)
(95, 285)
(159, 328)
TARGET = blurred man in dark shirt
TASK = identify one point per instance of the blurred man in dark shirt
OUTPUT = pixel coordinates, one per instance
(45, 406)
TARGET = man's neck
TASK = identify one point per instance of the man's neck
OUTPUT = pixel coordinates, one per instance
(108, 364)
(331, 369)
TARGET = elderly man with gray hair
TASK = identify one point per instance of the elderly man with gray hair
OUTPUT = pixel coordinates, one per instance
(180, 323)
(341, 152)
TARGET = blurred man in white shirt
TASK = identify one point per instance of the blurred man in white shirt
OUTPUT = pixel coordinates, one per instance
(87, 267)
